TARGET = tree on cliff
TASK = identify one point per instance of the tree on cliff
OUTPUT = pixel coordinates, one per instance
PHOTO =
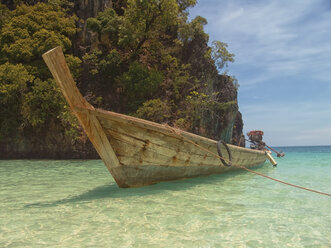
(152, 56)
(28, 97)
(138, 57)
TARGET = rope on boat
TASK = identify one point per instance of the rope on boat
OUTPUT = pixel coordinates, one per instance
(220, 153)
(286, 183)
(173, 130)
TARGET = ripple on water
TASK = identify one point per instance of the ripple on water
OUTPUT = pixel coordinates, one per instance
(77, 203)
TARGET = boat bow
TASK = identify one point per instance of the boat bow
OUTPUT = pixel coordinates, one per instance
(139, 152)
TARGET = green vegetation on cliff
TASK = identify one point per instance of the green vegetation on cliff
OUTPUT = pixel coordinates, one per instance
(29, 99)
(143, 58)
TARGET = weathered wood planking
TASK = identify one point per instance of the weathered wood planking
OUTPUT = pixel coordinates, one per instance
(139, 152)
(134, 144)
(57, 65)
(129, 143)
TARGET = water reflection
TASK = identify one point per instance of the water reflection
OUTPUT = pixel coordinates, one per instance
(113, 191)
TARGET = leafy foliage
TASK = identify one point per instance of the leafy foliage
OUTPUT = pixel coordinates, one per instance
(151, 54)
(141, 57)
(106, 25)
(146, 20)
(13, 85)
(184, 4)
(28, 96)
(188, 31)
(32, 30)
(4, 14)
(140, 83)
(42, 103)
(202, 111)
(155, 110)
(221, 55)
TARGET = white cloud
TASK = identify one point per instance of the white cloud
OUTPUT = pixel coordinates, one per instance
(278, 36)
(283, 63)
(305, 122)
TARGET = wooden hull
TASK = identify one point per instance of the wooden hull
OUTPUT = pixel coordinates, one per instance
(139, 152)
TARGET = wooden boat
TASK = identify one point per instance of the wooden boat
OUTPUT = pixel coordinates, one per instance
(139, 152)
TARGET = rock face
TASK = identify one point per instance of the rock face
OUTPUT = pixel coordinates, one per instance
(85, 9)
(24, 148)
(90, 8)
(228, 93)
(238, 138)
(55, 145)
(225, 124)
(216, 124)
(232, 130)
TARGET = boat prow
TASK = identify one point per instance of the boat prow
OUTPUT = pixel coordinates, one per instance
(138, 152)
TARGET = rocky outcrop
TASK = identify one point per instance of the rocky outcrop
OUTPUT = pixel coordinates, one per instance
(232, 128)
(238, 138)
(215, 124)
(226, 122)
(90, 8)
(85, 9)
(50, 147)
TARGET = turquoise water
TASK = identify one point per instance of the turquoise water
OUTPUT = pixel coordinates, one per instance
(77, 204)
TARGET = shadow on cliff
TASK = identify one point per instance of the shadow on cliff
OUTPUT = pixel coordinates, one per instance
(113, 191)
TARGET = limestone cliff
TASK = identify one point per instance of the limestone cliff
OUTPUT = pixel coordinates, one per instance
(85, 9)
(225, 123)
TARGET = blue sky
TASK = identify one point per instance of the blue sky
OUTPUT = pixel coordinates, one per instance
(282, 63)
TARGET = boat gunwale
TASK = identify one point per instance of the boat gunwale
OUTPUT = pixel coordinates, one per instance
(114, 116)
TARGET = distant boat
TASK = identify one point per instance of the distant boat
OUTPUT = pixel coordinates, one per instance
(138, 152)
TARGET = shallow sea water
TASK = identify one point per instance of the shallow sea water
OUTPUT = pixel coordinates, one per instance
(72, 203)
